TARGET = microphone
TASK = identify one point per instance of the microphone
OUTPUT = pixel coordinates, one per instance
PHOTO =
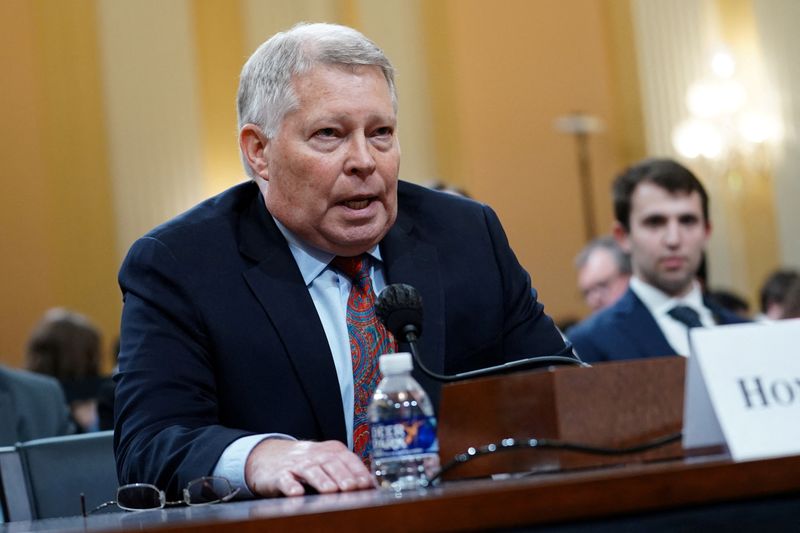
(399, 308)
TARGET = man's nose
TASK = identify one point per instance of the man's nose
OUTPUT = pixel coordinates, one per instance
(360, 161)
(672, 233)
(594, 300)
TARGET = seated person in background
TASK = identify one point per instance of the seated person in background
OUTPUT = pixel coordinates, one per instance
(773, 294)
(235, 325)
(603, 272)
(105, 395)
(661, 212)
(449, 189)
(32, 406)
(730, 301)
(66, 345)
(791, 303)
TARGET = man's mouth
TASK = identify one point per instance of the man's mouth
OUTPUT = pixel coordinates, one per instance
(672, 262)
(357, 204)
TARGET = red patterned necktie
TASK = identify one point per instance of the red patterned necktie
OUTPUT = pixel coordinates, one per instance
(368, 340)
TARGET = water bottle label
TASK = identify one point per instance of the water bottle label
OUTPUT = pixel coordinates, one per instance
(404, 436)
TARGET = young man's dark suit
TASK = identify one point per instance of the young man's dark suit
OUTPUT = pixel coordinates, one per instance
(627, 330)
(220, 337)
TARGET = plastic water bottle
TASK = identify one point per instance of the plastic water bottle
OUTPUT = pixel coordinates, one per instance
(402, 428)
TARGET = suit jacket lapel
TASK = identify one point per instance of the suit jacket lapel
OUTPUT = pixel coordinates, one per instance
(414, 262)
(643, 328)
(278, 285)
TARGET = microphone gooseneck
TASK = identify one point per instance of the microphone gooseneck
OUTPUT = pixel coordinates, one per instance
(399, 308)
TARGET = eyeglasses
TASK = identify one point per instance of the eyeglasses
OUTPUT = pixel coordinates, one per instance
(144, 497)
(600, 286)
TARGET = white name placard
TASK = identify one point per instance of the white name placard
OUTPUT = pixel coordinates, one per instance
(743, 389)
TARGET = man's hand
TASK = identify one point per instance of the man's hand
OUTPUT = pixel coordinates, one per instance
(277, 466)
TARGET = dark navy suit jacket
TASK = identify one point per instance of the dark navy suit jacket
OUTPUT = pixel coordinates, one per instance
(627, 330)
(220, 337)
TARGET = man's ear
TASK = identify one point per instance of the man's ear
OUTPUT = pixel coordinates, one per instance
(621, 236)
(253, 144)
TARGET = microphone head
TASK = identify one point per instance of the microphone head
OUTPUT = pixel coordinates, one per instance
(399, 307)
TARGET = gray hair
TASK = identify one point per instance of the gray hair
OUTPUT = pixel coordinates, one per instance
(266, 93)
(622, 259)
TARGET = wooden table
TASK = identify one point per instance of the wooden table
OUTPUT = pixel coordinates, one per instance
(586, 499)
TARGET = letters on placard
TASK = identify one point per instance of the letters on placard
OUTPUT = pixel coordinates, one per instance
(760, 393)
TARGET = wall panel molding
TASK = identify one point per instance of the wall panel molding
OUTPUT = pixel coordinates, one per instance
(152, 109)
(777, 24)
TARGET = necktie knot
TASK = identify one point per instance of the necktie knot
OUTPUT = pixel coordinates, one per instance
(686, 315)
(356, 268)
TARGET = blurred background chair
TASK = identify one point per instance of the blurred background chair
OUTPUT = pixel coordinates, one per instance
(14, 501)
(58, 469)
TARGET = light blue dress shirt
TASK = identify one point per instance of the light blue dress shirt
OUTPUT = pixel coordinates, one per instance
(330, 291)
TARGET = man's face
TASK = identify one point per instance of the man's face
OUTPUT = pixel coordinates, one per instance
(667, 236)
(600, 281)
(332, 168)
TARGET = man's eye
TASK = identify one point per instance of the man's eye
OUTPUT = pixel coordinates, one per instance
(325, 132)
(654, 222)
(385, 131)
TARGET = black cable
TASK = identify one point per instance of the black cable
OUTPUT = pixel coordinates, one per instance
(544, 360)
(533, 443)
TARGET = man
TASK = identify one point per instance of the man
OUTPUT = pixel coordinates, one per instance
(238, 335)
(603, 273)
(661, 212)
(65, 344)
(773, 294)
(731, 301)
(791, 304)
(32, 406)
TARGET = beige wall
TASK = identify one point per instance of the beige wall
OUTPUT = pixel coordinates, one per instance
(57, 238)
(512, 70)
(118, 114)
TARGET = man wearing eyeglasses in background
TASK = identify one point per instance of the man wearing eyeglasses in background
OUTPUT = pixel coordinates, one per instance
(235, 356)
(603, 272)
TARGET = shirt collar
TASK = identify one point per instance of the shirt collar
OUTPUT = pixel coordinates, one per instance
(658, 301)
(312, 261)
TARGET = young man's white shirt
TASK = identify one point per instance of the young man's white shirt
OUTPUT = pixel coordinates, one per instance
(659, 304)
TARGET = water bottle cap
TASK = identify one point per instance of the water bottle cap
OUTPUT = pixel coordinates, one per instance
(395, 363)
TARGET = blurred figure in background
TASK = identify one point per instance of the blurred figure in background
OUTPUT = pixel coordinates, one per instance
(31, 407)
(791, 303)
(603, 272)
(730, 301)
(66, 345)
(773, 293)
(450, 189)
(105, 394)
